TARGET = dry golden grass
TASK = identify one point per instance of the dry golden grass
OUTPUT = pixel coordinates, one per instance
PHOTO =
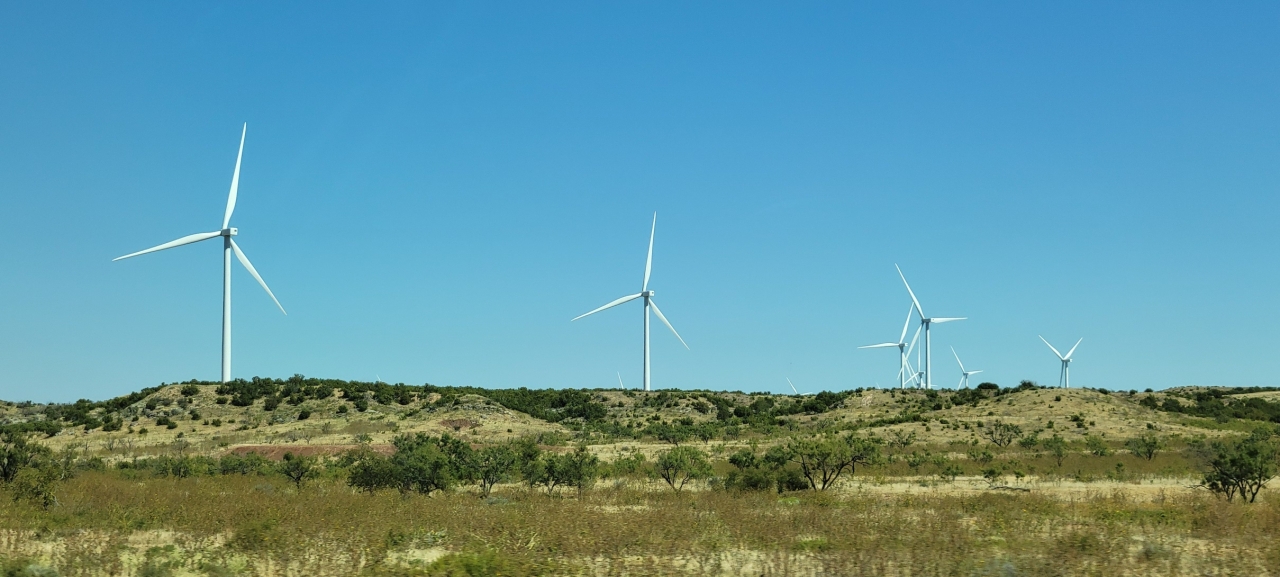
(110, 524)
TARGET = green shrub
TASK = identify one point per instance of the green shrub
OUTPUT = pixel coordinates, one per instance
(1097, 446)
(36, 484)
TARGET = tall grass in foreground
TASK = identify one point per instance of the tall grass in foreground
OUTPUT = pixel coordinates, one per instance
(109, 524)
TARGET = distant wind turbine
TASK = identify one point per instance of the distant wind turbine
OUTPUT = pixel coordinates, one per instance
(902, 349)
(964, 379)
(793, 387)
(228, 246)
(926, 322)
(1064, 377)
(647, 295)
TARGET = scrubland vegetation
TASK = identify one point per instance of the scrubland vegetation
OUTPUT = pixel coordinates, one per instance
(314, 477)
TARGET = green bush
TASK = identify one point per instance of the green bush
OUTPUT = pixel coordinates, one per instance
(17, 453)
(248, 464)
(1097, 446)
(36, 484)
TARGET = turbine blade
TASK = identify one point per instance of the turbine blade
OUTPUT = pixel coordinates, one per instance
(184, 240)
(906, 325)
(612, 304)
(235, 181)
(974, 372)
(879, 346)
(913, 342)
(244, 260)
(909, 291)
(1055, 351)
(648, 261)
(666, 322)
(793, 387)
(953, 351)
(620, 381)
(1073, 349)
(947, 319)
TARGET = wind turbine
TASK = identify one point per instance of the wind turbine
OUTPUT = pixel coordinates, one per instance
(228, 246)
(1064, 377)
(902, 349)
(964, 379)
(647, 295)
(926, 322)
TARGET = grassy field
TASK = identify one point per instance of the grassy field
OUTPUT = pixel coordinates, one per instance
(110, 525)
(941, 498)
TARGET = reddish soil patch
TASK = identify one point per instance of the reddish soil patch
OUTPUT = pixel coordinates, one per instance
(276, 452)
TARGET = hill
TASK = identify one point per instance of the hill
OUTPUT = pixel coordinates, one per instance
(330, 415)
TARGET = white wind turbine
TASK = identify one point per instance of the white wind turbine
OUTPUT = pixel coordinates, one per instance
(228, 246)
(647, 295)
(1064, 377)
(902, 349)
(964, 379)
(925, 323)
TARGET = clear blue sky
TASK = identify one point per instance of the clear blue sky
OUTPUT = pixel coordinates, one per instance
(434, 190)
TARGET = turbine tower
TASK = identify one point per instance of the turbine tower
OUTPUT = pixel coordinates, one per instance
(228, 246)
(1064, 377)
(902, 349)
(925, 323)
(964, 379)
(647, 295)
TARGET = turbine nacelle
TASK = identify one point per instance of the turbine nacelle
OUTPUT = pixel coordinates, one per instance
(229, 231)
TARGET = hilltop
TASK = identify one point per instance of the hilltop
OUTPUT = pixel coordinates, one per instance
(330, 415)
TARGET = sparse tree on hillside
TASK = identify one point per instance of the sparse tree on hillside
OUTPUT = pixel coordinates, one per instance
(680, 465)
(17, 453)
(901, 438)
(579, 469)
(822, 460)
(529, 462)
(1145, 445)
(1097, 446)
(1242, 467)
(1002, 434)
(493, 465)
(298, 468)
(371, 472)
(1057, 447)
